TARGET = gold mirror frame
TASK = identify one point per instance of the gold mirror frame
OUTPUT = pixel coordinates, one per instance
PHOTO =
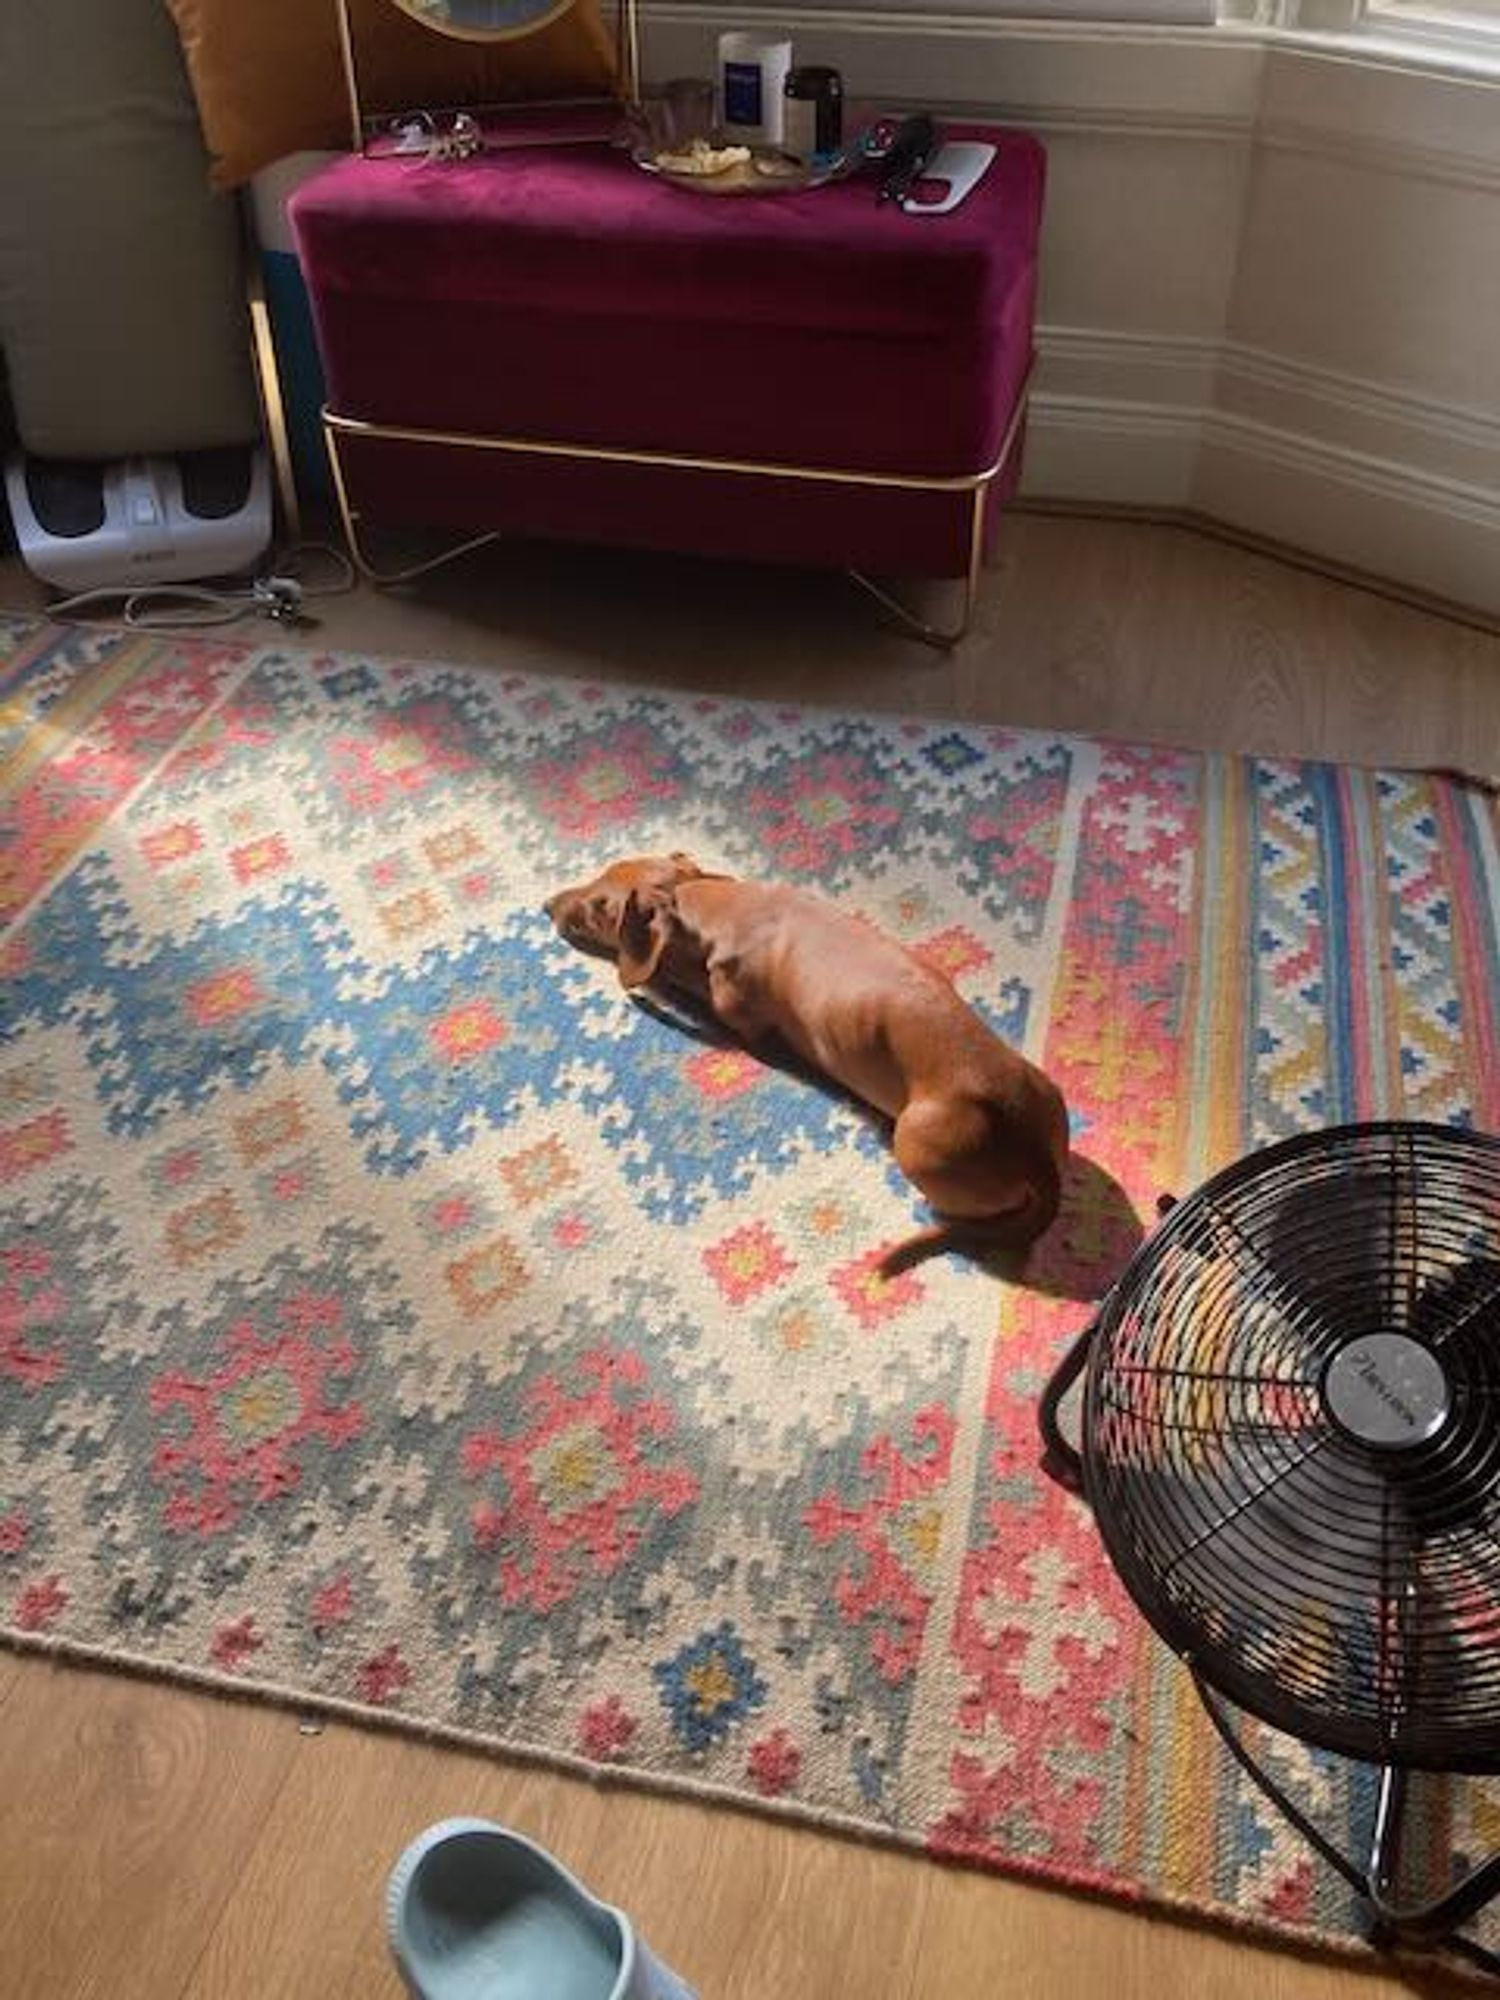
(627, 58)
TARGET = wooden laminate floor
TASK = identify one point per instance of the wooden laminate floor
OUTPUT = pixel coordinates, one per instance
(159, 1844)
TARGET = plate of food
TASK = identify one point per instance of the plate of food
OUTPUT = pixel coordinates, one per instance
(707, 166)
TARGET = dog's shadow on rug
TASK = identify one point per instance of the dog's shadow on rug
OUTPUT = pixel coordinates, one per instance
(1096, 1232)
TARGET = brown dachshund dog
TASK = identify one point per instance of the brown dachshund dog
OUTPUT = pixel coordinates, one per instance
(982, 1132)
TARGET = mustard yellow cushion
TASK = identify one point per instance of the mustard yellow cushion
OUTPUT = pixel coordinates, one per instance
(269, 79)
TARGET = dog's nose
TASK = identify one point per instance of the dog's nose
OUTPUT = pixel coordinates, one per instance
(563, 910)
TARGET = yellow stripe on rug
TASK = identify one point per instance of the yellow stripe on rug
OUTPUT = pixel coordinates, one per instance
(48, 735)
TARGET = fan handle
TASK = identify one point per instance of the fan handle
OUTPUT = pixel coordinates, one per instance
(1061, 1458)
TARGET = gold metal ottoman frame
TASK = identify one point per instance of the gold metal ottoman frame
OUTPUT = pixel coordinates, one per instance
(976, 485)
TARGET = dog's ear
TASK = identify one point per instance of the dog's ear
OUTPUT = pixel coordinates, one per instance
(646, 927)
(688, 863)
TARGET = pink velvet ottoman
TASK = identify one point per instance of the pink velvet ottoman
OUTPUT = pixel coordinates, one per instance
(487, 326)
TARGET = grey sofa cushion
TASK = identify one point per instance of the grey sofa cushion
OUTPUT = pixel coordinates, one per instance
(122, 314)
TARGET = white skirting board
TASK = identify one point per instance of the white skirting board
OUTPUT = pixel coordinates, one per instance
(1388, 484)
(1423, 537)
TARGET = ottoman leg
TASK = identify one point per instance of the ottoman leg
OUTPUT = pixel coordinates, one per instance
(358, 555)
(944, 638)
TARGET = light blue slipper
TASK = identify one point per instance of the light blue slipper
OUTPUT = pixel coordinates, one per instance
(476, 1912)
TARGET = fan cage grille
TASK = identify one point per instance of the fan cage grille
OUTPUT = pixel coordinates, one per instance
(1341, 1590)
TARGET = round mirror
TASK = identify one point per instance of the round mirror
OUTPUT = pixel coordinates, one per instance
(484, 20)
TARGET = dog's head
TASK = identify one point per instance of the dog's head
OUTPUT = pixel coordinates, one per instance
(626, 913)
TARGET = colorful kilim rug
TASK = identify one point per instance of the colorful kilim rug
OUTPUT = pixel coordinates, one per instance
(396, 1318)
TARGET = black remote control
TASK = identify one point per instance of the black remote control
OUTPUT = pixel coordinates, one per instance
(912, 147)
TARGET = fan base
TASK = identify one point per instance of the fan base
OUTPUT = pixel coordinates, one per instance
(1434, 1923)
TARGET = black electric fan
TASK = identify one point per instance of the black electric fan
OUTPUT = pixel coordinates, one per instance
(1290, 1439)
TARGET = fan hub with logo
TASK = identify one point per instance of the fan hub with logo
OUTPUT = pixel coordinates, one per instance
(1387, 1390)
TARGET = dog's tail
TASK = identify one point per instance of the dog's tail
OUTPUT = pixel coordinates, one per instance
(1016, 1229)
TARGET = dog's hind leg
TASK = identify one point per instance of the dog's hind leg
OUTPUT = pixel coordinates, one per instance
(946, 1149)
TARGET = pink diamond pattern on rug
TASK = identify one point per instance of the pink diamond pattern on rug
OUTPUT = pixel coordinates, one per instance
(746, 1263)
(489, 1276)
(40, 1605)
(183, 1167)
(773, 1764)
(224, 996)
(239, 1438)
(471, 1029)
(722, 1074)
(408, 753)
(538, 1172)
(24, 1149)
(299, 1180)
(606, 784)
(333, 1605)
(605, 1730)
(955, 951)
(573, 1229)
(235, 1643)
(167, 844)
(457, 1213)
(382, 1678)
(872, 1297)
(576, 1483)
(831, 810)
(267, 856)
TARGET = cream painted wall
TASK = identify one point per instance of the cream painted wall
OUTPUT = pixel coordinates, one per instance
(1271, 268)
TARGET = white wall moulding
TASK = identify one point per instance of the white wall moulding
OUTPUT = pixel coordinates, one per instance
(1457, 443)
(1393, 282)
(1431, 535)
(1468, 30)
(1270, 266)
(1192, 372)
(1435, 535)
(1356, 472)
(1431, 163)
(1092, 451)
